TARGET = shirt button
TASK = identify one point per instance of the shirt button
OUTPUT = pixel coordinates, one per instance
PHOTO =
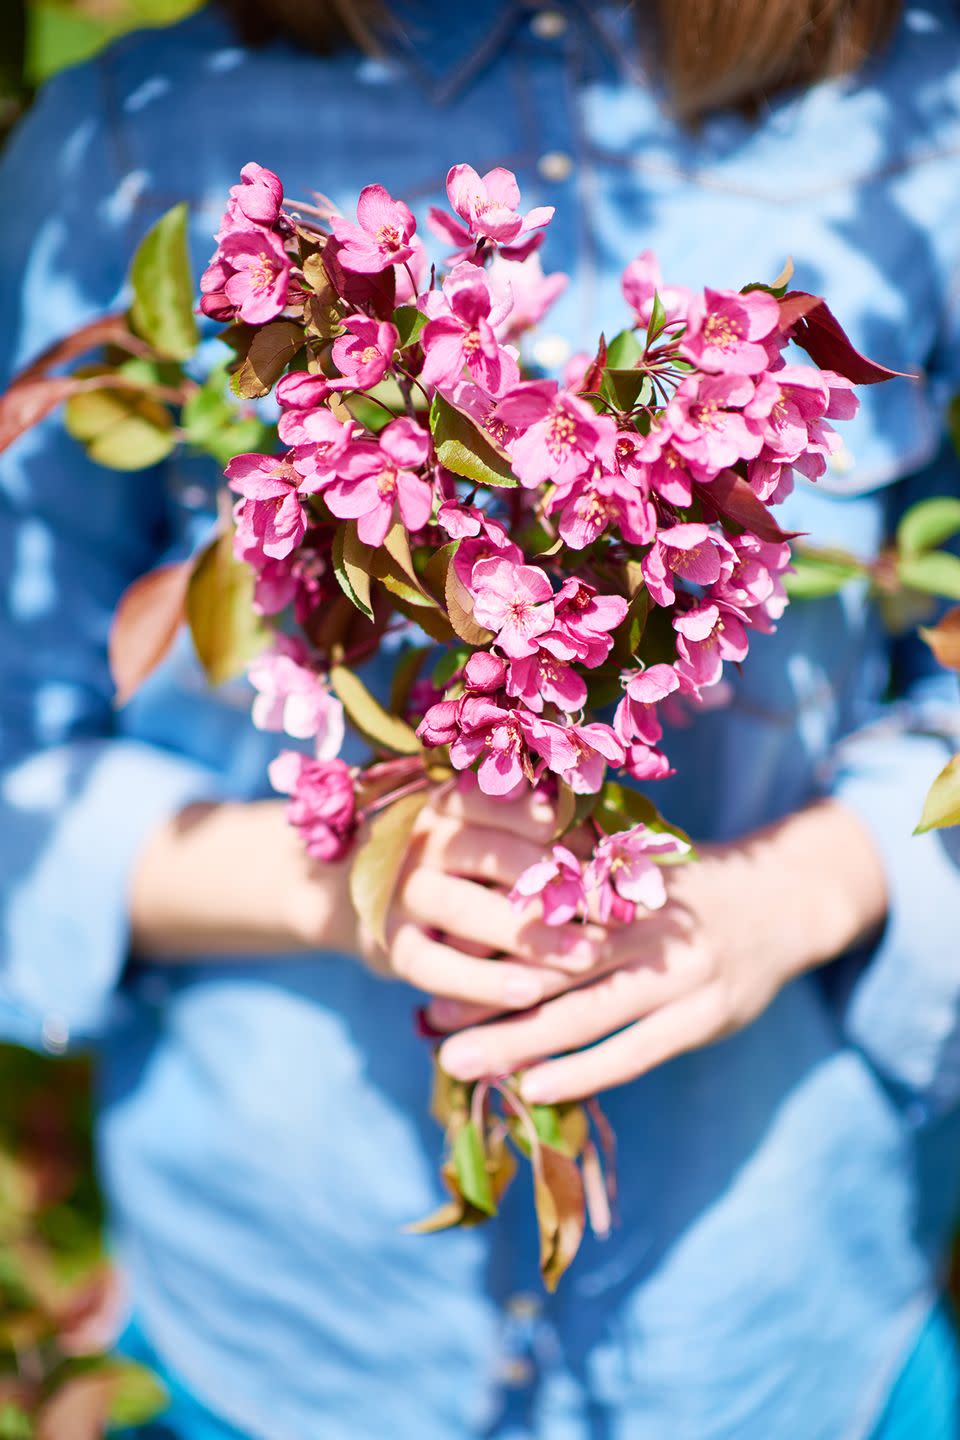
(555, 165)
(551, 351)
(548, 24)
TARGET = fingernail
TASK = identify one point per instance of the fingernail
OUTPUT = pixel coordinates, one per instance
(536, 1089)
(577, 953)
(462, 1058)
(520, 990)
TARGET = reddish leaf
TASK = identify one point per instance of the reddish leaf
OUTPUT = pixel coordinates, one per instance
(730, 497)
(593, 378)
(817, 330)
(150, 613)
(28, 402)
(558, 1195)
(944, 639)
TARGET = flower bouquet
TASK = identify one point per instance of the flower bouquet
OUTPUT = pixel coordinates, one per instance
(547, 566)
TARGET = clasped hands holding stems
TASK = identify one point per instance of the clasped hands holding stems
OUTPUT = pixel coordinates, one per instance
(579, 1007)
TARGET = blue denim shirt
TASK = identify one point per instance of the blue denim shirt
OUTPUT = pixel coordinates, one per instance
(786, 1195)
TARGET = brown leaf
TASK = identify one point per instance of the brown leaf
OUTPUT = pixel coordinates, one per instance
(449, 1214)
(270, 351)
(460, 611)
(145, 623)
(730, 497)
(107, 330)
(944, 639)
(379, 861)
(558, 1195)
(27, 403)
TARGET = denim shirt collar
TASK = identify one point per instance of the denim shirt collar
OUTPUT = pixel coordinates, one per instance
(446, 48)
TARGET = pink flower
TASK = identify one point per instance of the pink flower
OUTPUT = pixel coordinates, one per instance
(623, 873)
(562, 437)
(382, 236)
(642, 280)
(589, 503)
(493, 542)
(322, 802)
(363, 356)
(787, 404)
(754, 584)
(320, 441)
(558, 881)
(440, 725)
(259, 195)
(637, 721)
(488, 205)
(706, 636)
(247, 277)
(724, 330)
(689, 552)
(494, 736)
(294, 698)
(515, 601)
(708, 426)
(270, 518)
(523, 292)
(461, 333)
(583, 620)
(484, 673)
(595, 744)
(538, 679)
(374, 477)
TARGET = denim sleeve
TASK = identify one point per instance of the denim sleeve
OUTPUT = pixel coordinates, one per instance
(903, 1010)
(77, 798)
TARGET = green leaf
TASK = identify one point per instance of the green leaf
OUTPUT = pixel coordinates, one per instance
(271, 349)
(658, 318)
(564, 1126)
(819, 573)
(627, 388)
(928, 524)
(350, 561)
(449, 663)
(162, 309)
(368, 715)
(942, 805)
(227, 632)
(624, 351)
(15, 1424)
(465, 450)
(934, 572)
(379, 860)
(121, 429)
(470, 1163)
(620, 807)
(136, 1395)
(409, 322)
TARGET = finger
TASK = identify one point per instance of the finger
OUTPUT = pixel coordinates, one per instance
(468, 911)
(478, 852)
(576, 1018)
(449, 1015)
(688, 1023)
(530, 815)
(440, 969)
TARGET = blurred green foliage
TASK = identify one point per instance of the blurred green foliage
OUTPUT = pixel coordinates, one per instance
(41, 37)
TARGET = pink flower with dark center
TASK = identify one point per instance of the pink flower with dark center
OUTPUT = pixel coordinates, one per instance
(562, 437)
(322, 803)
(558, 881)
(364, 355)
(539, 679)
(460, 333)
(588, 504)
(660, 465)
(514, 601)
(642, 280)
(724, 331)
(381, 237)
(687, 552)
(623, 873)
(754, 584)
(706, 637)
(787, 404)
(259, 269)
(583, 620)
(376, 477)
(494, 736)
(709, 429)
(294, 698)
(270, 517)
(320, 441)
(489, 207)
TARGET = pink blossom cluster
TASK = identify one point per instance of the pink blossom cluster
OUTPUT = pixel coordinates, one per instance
(589, 550)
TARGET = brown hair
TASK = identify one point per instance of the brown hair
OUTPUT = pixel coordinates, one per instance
(711, 53)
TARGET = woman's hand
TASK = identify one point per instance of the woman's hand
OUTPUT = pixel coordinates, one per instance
(738, 926)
